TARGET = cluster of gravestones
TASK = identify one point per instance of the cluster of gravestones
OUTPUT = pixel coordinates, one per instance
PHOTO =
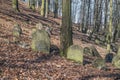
(77, 54)
(40, 41)
(40, 38)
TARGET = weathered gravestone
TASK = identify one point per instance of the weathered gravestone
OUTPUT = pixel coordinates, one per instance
(99, 63)
(91, 51)
(116, 59)
(40, 40)
(48, 29)
(17, 31)
(39, 26)
(115, 47)
(75, 53)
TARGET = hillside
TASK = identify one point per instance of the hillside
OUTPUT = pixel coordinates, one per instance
(18, 63)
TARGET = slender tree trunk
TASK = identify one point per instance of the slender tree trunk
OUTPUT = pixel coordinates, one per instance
(15, 5)
(99, 18)
(37, 4)
(42, 11)
(46, 9)
(109, 36)
(106, 10)
(56, 9)
(116, 21)
(83, 16)
(118, 34)
(66, 28)
(29, 3)
(94, 19)
(88, 16)
(32, 4)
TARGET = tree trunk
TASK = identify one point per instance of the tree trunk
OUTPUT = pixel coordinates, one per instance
(15, 5)
(56, 9)
(109, 35)
(83, 16)
(37, 4)
(106, 15)
(32, 4)
(46, 9)
(116, 21)
(42, 11)
(88, 16)
(66, 28)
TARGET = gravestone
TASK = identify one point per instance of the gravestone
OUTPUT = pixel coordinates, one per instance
(75, 53)
(17, 31)
(116, 59)
(48, 29)
(39, 26)
(91, 51)
(40, 41)
(99, 63)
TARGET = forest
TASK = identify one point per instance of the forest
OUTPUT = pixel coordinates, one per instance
(59, 39)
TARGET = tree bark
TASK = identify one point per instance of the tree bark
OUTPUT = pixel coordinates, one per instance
(46, 8)
(56, 9)
(15, 5)
(109, 35)
(66, 28)
(42, 11)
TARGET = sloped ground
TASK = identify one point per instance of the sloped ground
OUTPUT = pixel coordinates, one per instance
(17, 63)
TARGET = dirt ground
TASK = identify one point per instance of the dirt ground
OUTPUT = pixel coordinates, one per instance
(18, 63)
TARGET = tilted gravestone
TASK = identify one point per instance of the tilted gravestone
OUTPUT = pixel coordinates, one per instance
(116, 59)
(118, 52)
(48, 29)
(75, 53)
(91, 51)
(39, 26)
(99, 63)
(115, 47)
(40, 41)
(17, 31)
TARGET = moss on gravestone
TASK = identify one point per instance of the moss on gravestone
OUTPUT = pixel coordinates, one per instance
(75, 53)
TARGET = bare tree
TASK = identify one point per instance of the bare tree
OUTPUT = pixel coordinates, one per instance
(109, 35)
(42, 10)
(66, 28)
(15, 5)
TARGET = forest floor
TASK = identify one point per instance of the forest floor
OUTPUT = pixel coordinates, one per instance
(18, 63)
